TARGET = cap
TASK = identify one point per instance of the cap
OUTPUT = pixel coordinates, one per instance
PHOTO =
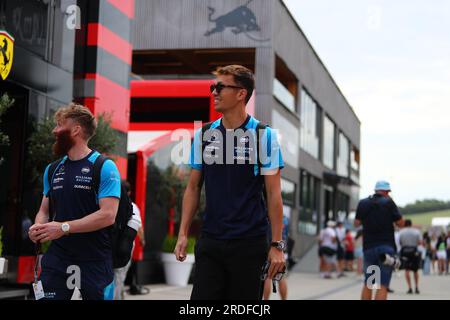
(382, 185)
(331, 223)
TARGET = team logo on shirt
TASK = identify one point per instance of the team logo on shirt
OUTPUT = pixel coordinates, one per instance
(113, 176)
(85, 170)
(244, 140)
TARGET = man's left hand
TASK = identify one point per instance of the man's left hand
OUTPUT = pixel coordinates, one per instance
(47, 231)
(277, 262)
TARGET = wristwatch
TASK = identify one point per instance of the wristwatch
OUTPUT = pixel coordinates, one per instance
(280, 245)
(65, 227)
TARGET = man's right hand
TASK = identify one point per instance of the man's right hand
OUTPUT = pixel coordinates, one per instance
(34, 233)
(180, 248)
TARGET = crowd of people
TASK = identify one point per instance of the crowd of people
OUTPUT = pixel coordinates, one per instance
(339, 250)
(381, 237)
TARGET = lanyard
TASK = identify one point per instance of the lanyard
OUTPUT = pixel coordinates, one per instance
(38, 261)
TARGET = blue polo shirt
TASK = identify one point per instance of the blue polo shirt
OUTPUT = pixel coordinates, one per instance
(74, 198)
(234, 205)
(377, 215)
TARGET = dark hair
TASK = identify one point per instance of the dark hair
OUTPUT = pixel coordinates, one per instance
(359, 233)
(242, 76)
(408, 223)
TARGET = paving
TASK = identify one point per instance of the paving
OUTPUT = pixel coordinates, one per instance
(309, 286)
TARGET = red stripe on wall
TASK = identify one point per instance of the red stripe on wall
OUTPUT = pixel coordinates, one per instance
(122, 164)
(170, 88)
(150, 126)
(101, 36)
(110, 98)
(125, 6)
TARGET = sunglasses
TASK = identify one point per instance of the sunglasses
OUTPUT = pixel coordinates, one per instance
(220, 86)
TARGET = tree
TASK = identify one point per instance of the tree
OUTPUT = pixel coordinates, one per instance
(42, 139)
(426, 205)
(5, 103)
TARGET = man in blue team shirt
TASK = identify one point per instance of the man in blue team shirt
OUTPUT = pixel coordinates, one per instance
(79, 233)
(233, 246)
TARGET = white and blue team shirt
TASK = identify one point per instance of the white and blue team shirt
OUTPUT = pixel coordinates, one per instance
(234, 205)
(74, 198)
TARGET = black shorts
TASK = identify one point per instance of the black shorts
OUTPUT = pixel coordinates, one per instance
(229, 269)
(411, 258)
(349, 255)
(326, 251)
(340, 253)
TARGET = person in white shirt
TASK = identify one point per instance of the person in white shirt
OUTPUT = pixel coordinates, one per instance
(328, 248)
(121, 273)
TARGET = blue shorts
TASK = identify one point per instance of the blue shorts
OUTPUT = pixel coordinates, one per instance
(372, 258)
(96, 278)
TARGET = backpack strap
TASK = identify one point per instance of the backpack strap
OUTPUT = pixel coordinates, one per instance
(51, 171)
(259, 127)
(205, 128)
(96, 174)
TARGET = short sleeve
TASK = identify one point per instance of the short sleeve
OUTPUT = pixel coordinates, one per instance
(45, 181)
(396, 215)
(109, 180)
(195, 159)
(359, 209)
(271, 157)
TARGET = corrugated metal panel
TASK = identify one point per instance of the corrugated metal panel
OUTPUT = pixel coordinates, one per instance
(176, 24)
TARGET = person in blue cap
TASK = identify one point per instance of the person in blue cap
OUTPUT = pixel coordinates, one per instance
(377, 214)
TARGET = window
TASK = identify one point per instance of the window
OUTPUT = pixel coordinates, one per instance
(328, 143)
(342, 206)
(288, 138)
(283, 95)
(166, 183)
(309, 125)
(27, 22)
(343, 161)
(309, 203)
(288, 192)
(285, 85)
(354, 164)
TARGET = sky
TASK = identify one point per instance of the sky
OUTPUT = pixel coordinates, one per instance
(391, 60)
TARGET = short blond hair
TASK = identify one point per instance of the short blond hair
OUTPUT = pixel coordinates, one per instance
(81, 115)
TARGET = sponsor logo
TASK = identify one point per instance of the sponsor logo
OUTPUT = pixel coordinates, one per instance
(79, 186)
(85, 170)
(6, 53)
(244, 140)
(56, 180)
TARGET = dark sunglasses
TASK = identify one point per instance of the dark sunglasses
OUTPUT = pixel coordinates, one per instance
(220, 86)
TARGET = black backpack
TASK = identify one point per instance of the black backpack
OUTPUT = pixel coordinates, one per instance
(122, 236)
(259, 127)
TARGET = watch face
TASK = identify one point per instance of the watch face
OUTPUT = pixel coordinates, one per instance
(65, 227)
(281, 245)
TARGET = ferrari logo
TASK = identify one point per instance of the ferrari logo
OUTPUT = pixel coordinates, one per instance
(6, 53)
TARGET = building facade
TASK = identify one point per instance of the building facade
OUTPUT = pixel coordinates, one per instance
(65, 50)
(295, 93)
